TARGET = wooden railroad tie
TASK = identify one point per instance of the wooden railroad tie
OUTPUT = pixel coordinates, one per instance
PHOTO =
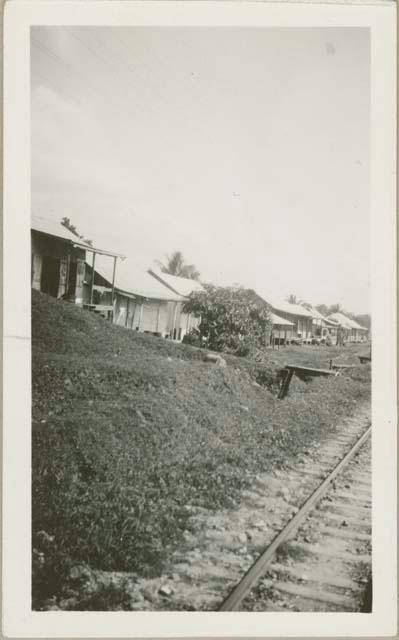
(303, 373)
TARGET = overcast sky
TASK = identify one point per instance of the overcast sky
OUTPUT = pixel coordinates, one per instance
(245, 148)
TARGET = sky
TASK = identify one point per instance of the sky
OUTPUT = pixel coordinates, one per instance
(245, 148)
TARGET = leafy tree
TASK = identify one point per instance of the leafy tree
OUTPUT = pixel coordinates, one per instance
(176, 265)
(323, 309)
(233, 319)
(66, 222)
(364, 319)
(335, 308)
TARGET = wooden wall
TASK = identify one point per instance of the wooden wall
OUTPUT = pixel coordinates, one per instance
(45, 247)
(302, 324)
(153, 316)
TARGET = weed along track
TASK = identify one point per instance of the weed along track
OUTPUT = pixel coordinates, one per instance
(316, 554)
(310, 564)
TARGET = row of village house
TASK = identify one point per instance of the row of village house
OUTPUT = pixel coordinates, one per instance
(152, 301)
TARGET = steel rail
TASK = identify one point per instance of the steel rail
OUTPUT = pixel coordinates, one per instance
(253, 574)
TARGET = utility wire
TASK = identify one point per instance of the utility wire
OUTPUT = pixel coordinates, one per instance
(70, 70)
(116, 58)
(86, 46)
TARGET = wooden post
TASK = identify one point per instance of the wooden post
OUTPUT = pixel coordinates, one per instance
(140, 316)
(113, 281)
(127, 310)
(158, 314)
(133, 314)
(286, 384)
(92, 277)
(174, 321)
(68, 272)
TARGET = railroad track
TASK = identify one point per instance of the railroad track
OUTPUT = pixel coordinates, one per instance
(321, 559)
(271, 554)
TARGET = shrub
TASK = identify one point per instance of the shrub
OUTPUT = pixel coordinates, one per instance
(193, 338)
(233, 319)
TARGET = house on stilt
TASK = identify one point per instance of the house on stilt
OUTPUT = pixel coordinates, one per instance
(58, 262)
(141, 301)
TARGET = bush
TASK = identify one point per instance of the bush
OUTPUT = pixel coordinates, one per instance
(233, 319)
(193, 338)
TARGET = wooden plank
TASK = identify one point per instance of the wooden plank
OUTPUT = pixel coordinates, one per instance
(339, 367)
(98, 307)
(97, 287)
(310, 370)
(286, 383)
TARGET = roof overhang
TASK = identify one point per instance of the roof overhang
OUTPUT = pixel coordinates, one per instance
(102, 252)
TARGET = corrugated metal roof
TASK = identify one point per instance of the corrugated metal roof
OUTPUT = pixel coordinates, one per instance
(133, 280)
(54, 228)
(294, 309)
(181, 286)
(341, 319)
(315, 314)
(282, 305)
(319, 316)
(277, 320)
(346, 322)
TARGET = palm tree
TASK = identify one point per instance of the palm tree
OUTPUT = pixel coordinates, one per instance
(176, 266)
(293, 299)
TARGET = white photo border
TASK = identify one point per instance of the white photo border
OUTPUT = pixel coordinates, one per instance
(18, 618)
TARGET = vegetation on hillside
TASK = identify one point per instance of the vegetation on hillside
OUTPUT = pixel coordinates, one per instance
(130, 431)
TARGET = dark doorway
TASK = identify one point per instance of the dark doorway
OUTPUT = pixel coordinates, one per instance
(71, 289)
(50, 279)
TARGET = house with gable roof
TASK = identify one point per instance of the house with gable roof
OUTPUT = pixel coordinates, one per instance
(291, 322)
(322, 328)
(180, 323)
(142, 302)
(351, 330)
(58, 259)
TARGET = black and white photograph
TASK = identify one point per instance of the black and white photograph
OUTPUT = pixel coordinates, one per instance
(202, 318)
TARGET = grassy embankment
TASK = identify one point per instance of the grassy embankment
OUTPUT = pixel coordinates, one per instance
(130, 430)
